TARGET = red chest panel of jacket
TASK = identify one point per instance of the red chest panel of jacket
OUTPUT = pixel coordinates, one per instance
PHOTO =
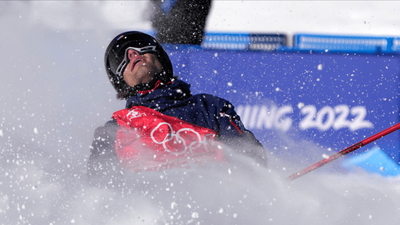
(149, 140)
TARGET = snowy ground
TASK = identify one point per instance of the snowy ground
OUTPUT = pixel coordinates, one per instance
(55, 92)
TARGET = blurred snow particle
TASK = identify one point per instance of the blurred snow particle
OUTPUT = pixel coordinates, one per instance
(319, 67)
(234, 215)
(230, 84)
(1, 133)
(221, 210)
(325, 156)
(35, 130)
(277, 89)
(195, 215)
(300, 105)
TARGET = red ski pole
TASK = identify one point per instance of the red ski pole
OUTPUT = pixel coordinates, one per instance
(345, 151)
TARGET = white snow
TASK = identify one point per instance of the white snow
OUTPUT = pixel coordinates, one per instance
(54, 84)
(333, 17)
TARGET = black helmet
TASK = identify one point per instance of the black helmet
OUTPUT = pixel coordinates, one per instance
(115, 57)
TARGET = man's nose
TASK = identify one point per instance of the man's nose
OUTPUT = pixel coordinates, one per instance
(133, 53)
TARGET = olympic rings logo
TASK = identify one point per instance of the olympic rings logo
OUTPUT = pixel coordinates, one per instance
(183, 141)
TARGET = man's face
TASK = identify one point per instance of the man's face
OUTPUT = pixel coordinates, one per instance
(141, 68)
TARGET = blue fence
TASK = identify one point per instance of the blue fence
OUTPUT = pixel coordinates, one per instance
(301, 42)
(243, 41)
(368, 44)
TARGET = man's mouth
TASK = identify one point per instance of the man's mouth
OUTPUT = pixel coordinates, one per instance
(135, 62)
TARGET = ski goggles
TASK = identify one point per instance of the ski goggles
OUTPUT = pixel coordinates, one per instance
(141, 51)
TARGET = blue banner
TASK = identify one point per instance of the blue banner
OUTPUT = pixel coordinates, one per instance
(291, 99)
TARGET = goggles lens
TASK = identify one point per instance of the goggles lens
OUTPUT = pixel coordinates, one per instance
(141, 51)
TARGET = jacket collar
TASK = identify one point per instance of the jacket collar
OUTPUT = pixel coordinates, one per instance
(161, 94)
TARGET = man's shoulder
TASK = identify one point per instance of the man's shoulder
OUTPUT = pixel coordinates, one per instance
(208, 97)
(211, 100)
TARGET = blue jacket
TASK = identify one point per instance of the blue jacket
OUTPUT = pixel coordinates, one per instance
(202, 109)
(176, 100)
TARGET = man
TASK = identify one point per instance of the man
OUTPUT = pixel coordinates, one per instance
(163, 125)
